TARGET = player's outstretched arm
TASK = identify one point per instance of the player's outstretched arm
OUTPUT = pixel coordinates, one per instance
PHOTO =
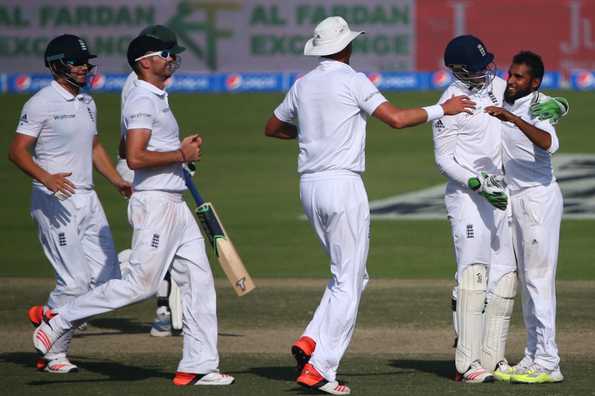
(279, 129)
(104, 165)
(19, 154)
(402, 118)
(538, 137)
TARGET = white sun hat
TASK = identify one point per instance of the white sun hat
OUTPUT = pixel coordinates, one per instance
(330, 36)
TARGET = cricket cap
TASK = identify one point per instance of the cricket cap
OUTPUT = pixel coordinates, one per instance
(330, 36)
(153, 38)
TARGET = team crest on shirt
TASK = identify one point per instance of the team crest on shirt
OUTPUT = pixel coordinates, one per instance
(575, 174)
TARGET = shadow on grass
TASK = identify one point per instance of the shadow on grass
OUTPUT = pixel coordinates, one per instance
(114, 371)
(440, 368)
(124, 325)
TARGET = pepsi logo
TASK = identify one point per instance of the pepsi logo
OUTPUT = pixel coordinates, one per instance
(22, 82)
(233, 81)
(98, 81)
(441, 78)
(584, 79)
(376, 78)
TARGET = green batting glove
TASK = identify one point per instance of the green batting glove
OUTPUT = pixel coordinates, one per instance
(491, 188)
(552, 109)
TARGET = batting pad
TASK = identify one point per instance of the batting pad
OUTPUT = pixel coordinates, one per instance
(470, 306)
(497, 321)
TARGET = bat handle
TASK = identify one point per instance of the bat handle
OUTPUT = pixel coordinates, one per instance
(190, 184)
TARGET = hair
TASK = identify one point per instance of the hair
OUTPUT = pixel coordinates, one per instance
(532, 60)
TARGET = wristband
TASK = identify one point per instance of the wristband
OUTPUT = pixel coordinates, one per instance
(434, 112)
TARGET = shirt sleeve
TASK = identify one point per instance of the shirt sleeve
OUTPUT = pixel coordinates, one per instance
(444, 132)
(32, 119)
(367, 96)
(139, 114)
(287, 110)
(546, 126)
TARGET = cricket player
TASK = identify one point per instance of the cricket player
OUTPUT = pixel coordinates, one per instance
(327, 110)
(162, 324)
(467, 150)
(58, 124)
(536, 202)
(165, 233)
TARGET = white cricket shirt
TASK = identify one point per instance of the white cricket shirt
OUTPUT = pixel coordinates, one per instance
(330, 107)
(147, 108)
(525, 164)
(64, 126)
(467, 144)
(129, 84)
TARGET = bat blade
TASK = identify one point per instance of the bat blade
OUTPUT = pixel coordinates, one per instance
(226, 253)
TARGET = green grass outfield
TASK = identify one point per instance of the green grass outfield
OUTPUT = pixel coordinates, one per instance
(402, 342)
(253, 182)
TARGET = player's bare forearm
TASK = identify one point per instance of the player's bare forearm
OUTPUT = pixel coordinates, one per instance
(103, 163)
(279, 129)
(138, 157)
(537, 136)
(19, 155)
(399, 118)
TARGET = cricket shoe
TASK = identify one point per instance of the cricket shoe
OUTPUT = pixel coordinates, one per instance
(162, 324)
(503, 371)
(57, 366)
(216, 378)
(475, 375)
(302, 350)
(45, 336)
(312, 379)
(538, 375)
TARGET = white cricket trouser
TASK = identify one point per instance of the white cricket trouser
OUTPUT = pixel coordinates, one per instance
(481, 234)
(165, 234)
(77, 240)
(537, 213)
(336, 205)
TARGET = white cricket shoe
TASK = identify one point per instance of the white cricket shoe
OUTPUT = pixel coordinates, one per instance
(44, 337)
(60, 366)
(525, 364)
(215, 378)
(503, 371)
(162, 324)
(476, 374)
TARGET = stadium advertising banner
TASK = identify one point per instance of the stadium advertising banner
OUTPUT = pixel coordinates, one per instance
(221, 36)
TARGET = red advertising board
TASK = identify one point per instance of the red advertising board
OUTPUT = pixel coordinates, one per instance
(561, 31)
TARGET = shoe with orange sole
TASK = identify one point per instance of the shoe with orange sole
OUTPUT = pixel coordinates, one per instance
(215, 378)
(312, 379)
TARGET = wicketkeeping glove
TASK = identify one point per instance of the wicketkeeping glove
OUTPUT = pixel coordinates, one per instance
(492, 188)
(552, 109)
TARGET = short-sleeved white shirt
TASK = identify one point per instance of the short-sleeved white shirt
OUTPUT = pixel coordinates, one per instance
(525, 164)
(147, 107)
(129, 84)
(330, 106)
(65, 127)
(473, 141)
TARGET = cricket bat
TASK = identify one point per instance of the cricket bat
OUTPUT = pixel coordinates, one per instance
(226, 253)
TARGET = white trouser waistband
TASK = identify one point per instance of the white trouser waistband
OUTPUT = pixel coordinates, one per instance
(170, 196)
(329, 174)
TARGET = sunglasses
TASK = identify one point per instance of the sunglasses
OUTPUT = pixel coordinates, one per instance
(162, 54)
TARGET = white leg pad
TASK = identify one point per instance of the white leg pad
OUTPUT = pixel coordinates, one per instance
(470, 306)
(497, 321)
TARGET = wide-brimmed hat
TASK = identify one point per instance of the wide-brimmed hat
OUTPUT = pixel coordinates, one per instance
(330, 36)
